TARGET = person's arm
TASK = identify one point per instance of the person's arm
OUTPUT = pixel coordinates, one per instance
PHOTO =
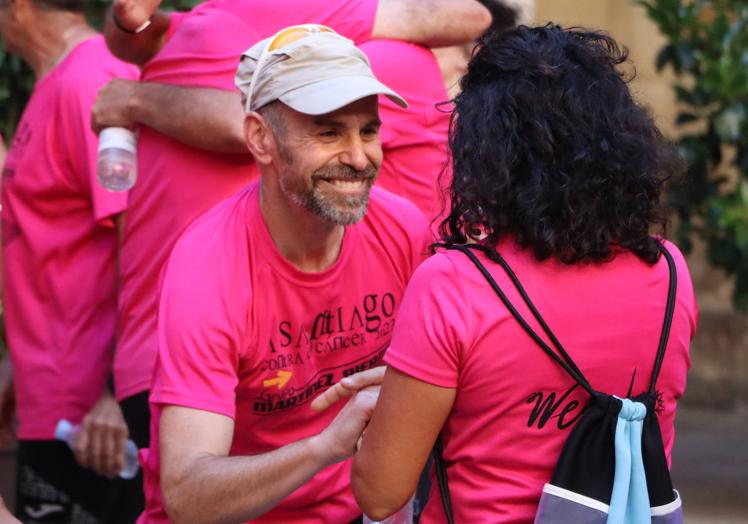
(205, 118)
(405, 424)
(431, 22)
(200, 483)
(100, 445)
(136, 48)
(133, 13)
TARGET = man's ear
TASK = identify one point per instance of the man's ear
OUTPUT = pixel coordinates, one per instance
(259, 138)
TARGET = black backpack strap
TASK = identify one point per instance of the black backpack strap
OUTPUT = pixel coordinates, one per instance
(668, 321)
(441, 476)
(564, 360)
(561, 357)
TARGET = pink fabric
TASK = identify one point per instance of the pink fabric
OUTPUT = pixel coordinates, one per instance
(177, 183)
(414, 139)
(59, 246)
(515, 406)
(235, 314)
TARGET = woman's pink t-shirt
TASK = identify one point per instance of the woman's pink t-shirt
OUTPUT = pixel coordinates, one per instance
(176, 182)
(514, 406)
(245, 334)
(59, 246)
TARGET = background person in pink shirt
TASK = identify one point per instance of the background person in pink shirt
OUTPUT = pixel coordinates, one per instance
(185, 107)
(59, 254)
(560, 171)
(414, 139)
(277, 293)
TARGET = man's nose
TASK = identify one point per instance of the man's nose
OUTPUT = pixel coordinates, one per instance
(354, 154)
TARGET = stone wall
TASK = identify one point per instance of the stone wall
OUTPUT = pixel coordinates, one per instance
(719, 372)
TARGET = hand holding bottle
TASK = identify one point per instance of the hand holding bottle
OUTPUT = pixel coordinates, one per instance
(100, 442)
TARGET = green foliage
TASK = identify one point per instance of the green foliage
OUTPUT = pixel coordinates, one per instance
(17, 80)
(708, 51)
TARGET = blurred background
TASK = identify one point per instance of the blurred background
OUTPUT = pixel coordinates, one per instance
(690, 59)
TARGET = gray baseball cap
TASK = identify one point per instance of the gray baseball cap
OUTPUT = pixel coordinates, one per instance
(316, 71)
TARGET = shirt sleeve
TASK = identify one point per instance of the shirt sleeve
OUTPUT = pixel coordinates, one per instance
(81, 144)
(175, 19)
(423, 238)
(199, 337)
(685, 293)
(354, 19)
(433, 327)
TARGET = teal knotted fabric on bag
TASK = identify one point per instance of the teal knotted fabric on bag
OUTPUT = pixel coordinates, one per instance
(629, 502)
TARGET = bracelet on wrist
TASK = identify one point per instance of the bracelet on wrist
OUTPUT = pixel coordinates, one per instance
(140, 28)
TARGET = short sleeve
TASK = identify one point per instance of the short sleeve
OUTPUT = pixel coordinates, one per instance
(354, 19)
(423, 239)
(686, 294)
(175, 19)
(433, 329)
(81, 143)
(199, 336)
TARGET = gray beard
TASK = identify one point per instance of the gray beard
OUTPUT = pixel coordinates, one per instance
(342, 211)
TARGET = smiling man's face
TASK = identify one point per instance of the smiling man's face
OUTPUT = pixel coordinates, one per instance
(328, 163)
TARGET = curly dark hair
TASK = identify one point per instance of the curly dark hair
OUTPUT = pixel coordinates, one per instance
(549, 146)
(502, 16)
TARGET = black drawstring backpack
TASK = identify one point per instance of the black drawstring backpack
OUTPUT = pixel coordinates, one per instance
(612, 468)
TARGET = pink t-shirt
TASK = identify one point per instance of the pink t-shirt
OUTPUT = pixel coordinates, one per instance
(176, 182)
(59, 246)
(245, 334)
(416, 162)
(514, 406)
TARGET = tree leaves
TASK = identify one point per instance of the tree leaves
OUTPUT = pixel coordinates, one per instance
(707, 49)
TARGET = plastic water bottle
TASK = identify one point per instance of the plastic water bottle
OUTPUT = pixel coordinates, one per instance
(403, 516)
(116, 166)
(67, 432)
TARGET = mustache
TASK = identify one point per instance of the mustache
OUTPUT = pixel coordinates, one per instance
(343, 172)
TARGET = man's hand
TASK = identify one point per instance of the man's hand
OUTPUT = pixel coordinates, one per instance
(100, 445)
(348, 386)
(134, 13)
(342, 437)
(112, 107)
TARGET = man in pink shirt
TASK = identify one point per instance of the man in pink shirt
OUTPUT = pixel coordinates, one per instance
(276, 294)
(59, 254)
(185, 108)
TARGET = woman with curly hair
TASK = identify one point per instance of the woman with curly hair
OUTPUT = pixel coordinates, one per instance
(560, 172)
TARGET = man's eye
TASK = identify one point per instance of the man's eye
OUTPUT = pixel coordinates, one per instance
(370, 131)
(328, 133)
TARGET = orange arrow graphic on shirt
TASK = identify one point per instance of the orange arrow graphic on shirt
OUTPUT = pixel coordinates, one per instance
(281, 380)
